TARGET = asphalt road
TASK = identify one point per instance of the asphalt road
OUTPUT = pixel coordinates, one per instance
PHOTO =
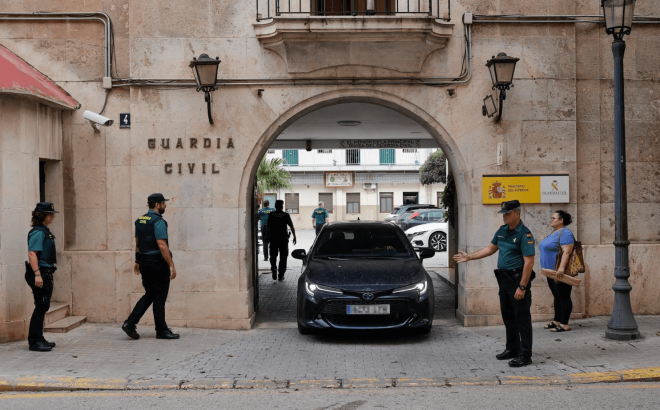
(594, 396)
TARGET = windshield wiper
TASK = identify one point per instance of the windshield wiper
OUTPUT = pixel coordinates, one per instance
(384, 257)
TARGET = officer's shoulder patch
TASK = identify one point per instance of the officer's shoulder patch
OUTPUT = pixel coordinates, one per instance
(529, 235)
(530, 242)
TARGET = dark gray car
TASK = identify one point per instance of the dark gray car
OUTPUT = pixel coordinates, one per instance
(400, 210)
(419, 217)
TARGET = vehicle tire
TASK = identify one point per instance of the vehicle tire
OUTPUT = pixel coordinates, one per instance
(304, 331)
(438, 241)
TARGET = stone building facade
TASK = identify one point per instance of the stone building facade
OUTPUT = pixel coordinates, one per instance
(558, 119)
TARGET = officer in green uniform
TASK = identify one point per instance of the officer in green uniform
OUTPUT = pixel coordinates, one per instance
(263, 221)
(153, 260)
(39, 271)
(514, 275)
(320, 217)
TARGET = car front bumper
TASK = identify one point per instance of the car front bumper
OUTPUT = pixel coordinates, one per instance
(328, 310)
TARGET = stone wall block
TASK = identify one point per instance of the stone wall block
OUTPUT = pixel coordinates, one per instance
(89, 147)
(562, 100)
(141, 21)
(588, 142)
(94, 286)
(118, 187)
(12, 129)
(588, 224)
(187, 19)
(644, 223)
(86, 229)
(607, 220)
(150, 104)
(16, 294)
(548, 141)
(527, 101)
(225, 185)
(588, 181)
(229, 19)
(63, 278)
(13, 249)
(194, 191)
(117, 146)
(216, 305)
(145, 180)
(120, 229)
(124, 262)
(587, 39)
(159, 58)
(89, 187)
(227, 271)
(480, 273)
(211, 228)
(195, 271)
(85, 59)
(588, 100)
(32, 130)
(482, 301)
(232, 53)
(548, 57)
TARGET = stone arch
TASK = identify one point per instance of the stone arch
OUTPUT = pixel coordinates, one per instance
(405, 107)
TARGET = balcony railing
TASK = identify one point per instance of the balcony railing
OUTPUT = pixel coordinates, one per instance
(267, 9)
(363, 159)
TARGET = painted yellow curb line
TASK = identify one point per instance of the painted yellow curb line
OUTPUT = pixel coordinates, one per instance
(40, 383)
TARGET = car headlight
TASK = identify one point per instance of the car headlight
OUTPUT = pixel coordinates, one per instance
(418, 233)
(421, 287)
(310, 288)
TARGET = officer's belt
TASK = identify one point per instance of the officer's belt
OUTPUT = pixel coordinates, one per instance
(513, 275)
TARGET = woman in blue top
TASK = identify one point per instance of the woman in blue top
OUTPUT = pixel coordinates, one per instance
(549, 248)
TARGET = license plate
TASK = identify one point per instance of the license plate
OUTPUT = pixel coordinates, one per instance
(368, 309)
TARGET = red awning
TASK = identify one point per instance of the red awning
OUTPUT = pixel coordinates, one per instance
(20, 78)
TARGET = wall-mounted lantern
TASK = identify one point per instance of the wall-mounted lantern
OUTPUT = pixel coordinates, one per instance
(501, 70)
(205, 70)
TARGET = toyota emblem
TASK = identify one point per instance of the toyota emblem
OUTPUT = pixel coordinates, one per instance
(368, 296)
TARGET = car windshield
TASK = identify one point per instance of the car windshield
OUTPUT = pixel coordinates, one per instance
(396, 211)
(363, 242)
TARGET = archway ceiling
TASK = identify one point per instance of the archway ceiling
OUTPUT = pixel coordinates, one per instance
(377, 123)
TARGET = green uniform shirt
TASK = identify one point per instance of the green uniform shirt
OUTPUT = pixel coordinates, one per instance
(36, 244)
(263, 215)
(319, 215)
(513, 245)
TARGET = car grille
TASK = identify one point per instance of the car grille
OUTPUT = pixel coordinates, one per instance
(335, 313)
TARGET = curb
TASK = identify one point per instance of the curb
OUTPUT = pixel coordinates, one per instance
(42, 384)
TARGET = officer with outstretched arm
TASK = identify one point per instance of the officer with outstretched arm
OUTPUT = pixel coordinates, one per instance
(514, 274)
(153, 260)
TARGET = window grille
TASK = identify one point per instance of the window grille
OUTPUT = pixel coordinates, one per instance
(291, 203)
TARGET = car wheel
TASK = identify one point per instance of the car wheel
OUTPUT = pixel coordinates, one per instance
(438, 241)
(304, 331)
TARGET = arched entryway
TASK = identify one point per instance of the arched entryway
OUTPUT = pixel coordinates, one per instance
(364, 96)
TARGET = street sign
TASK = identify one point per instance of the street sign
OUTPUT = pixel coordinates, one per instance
(528, 189)
(124, 120)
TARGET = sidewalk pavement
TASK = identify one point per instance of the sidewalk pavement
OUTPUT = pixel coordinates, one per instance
(100, 356)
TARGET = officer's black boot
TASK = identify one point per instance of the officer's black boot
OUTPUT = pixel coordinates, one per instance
(166, 334)
(507, 354)
(520, 361)
(274, 275)
(40, 347)
(130, 331)
(47, 343)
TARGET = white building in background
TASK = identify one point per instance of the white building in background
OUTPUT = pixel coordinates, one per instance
(382, 180)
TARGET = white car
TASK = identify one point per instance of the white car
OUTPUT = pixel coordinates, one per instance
(429, 236)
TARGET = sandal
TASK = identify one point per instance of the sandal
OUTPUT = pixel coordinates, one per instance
(560, 329)
(551, 325)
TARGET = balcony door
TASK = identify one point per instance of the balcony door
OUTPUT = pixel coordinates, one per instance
(348, 7)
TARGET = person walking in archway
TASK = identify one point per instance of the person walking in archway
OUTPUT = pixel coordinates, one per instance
(153, 260)
(263, 221)
(39, 271)
(320, 217)
(278, 221)
(514, 274)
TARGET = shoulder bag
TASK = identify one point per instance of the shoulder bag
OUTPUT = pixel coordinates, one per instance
(575, 263)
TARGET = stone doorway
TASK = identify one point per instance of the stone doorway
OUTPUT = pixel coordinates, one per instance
(275, 302)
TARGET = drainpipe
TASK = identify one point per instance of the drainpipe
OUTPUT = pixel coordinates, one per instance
(98, 16)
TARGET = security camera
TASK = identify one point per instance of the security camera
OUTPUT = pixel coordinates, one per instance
(97, 120)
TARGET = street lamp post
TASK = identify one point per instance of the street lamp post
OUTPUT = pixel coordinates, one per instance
(622, 324)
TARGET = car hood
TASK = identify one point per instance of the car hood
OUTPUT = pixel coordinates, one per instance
(428, 227)
(365, 274)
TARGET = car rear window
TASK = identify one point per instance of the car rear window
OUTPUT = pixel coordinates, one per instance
(356, 242)
(396, 211)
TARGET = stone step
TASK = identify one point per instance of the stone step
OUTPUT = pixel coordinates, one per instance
(66, 324)
(57, 311)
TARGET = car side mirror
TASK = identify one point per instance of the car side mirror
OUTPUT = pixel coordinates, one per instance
(299, 254)
(426, 253)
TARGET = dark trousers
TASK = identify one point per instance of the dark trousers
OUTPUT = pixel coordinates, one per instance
(42, 298)
(318, 228)
(156, 281)
(264, 240)
(563, 303)
(517, 317)
(279, 248)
